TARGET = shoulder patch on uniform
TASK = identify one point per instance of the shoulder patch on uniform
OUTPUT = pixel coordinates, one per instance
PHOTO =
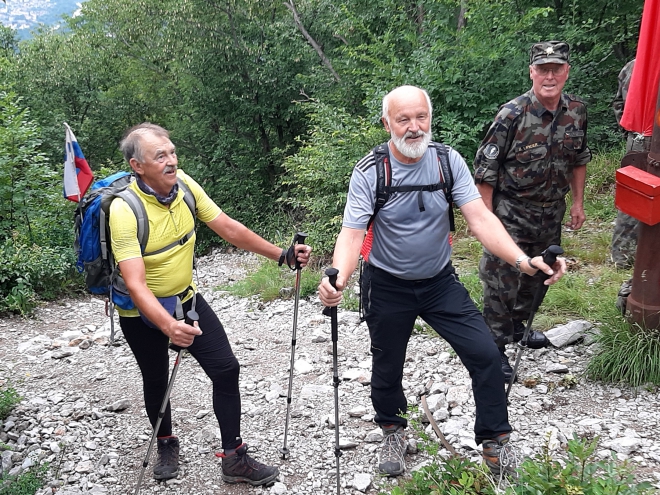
(491, 151)
(574, 98)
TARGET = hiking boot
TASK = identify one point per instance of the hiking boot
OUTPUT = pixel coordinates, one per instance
(392, 451)
(239, 467)
(622, 297)
(167, 466)
(506, 367)
(535, 340)
(500, 456)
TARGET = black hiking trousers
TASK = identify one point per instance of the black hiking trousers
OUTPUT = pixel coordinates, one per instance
(392, 305)
(211, 350)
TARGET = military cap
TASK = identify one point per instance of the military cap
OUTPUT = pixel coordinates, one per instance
(549, 52)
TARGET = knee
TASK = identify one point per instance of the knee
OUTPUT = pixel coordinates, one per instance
(227, 371)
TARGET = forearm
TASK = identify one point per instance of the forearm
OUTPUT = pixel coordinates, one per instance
(577, 184)
(135, 279)
(240, 236)
(347, 251)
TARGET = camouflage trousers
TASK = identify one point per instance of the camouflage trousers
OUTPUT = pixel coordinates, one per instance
(624, 236)
(624, 240)
(508, 293)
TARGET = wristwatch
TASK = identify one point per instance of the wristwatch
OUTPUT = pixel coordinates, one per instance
(520, 259)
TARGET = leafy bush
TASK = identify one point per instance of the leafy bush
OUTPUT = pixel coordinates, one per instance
(9, 398)
(29, 271)
(318, 175)
(577, 474)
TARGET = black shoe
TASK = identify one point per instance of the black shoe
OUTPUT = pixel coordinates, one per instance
(241, 468)
(535, 340)
(506, 367)
(167, 466)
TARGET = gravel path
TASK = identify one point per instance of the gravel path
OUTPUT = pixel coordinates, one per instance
(82, 408)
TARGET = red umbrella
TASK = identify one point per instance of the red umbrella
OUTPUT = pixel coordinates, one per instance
(642, 96)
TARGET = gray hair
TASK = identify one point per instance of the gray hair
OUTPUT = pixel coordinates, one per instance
(386, 101)
(130, 145)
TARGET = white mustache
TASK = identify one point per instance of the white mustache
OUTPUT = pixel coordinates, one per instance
(169, 169)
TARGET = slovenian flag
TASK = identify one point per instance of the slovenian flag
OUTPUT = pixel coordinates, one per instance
(640, 106)
(77, 174)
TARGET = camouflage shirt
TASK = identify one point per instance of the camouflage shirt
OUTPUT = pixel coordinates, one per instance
(622, 91)
(529, 152)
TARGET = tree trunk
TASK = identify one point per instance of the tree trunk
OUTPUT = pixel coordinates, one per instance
(296, 19)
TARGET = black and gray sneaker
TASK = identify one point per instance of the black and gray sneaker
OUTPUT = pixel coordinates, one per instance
(239, 467)
(167, 466)
(392, 451)
(500, 456)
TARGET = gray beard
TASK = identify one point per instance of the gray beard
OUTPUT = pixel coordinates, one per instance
(415, 150)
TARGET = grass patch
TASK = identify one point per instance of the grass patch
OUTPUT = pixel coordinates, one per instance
(25, 484)
(628, 353)
(9, 398)
(268, 281)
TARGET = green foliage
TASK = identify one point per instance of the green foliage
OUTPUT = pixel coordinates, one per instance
(578, 474)
(318, 174)
(269, 279)
(24, 484)
(626, 353)
(28, 270)
(451, 476)
(9, 398)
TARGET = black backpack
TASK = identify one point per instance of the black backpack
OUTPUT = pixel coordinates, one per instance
(384, 186)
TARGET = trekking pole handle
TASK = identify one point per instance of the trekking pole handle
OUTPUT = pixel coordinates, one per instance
(191, 317)
(298, 238)
(332, 276)
(550, 255)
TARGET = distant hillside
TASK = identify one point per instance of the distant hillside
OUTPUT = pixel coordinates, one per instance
(25, 15)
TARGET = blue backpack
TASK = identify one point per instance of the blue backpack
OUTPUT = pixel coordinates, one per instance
(92, 236)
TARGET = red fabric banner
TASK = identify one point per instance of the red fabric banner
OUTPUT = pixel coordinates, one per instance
(642, 96)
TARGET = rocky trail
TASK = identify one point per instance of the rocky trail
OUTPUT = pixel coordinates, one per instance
(82, 406)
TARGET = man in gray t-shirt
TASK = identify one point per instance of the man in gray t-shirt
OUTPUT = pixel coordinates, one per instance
(408, 273)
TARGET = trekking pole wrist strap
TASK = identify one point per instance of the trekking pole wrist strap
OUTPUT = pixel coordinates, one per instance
(282, 257)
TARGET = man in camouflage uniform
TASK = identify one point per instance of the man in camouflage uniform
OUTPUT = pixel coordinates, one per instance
(624, 237)
(533, 154)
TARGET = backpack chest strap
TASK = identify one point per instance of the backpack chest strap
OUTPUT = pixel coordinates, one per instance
(420, 199)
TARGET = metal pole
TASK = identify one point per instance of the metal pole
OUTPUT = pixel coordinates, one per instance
(191, 317)
(549, 258)
(332, 275)
(299, 238)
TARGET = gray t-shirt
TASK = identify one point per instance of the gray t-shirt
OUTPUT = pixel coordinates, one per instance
(408, 243)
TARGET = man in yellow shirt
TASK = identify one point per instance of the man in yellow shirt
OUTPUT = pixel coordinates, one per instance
(162, 271)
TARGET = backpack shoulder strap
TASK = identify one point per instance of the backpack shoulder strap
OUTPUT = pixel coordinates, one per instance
(136, 205)
(383, 178)
(447, 177)
(189, 198)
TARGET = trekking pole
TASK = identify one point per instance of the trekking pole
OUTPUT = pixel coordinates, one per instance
(549, 258)
(299, 238)
(332, 275)
(191, 318)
